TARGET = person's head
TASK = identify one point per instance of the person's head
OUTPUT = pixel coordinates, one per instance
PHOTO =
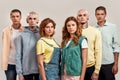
(32, 19)
(15, 16)
(100, 13)
(47, 28)
(82, 16)
(71, 29)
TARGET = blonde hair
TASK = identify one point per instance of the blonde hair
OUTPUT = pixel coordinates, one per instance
(32, 13)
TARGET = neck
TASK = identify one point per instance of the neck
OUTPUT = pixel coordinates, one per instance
(16, 26)
(71, 36)
(48, 37)
(101, 23)
(84, 25)
(32, 28)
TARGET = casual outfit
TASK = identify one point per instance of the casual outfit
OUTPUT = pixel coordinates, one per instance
(51, 51)
(9, 36)
(94, 51)
(110, 44)
(71, 63)
(26, 60)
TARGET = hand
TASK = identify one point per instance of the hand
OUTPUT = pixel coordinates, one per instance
(21, 78)
(115, 68)
(94, 76)
(81, 78)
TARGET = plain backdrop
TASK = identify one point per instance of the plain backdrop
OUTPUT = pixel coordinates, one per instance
(58, 10)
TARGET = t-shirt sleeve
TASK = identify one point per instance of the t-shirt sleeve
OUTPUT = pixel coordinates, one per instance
(40, 47)
(84, 43)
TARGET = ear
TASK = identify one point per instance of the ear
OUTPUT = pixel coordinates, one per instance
(37, 21)
(27, 20)
(88, 18)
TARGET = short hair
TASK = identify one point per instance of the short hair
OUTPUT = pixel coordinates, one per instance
(101, 8)
(43, 25)
(15, 10)
(32, 13)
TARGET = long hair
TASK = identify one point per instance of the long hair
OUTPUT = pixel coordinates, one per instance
(66, 34)
(43, 25)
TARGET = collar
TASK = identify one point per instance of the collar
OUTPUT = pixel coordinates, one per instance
(20, 29)
(105, 24)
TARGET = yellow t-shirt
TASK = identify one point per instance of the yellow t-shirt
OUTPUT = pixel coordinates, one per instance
(45, 49)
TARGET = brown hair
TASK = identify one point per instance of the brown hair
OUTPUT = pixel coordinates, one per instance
(101, 8)
(15, 10)
(43, 25)
(66, 34)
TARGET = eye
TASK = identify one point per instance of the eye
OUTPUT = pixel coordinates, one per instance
(30, 18)
(73, 24)
(34, 18)
(79, 15)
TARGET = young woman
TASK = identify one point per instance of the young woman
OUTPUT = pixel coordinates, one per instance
(48, 52)
(74, 51)
(26, 65)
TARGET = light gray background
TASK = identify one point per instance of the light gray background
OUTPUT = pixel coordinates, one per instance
(58, 10)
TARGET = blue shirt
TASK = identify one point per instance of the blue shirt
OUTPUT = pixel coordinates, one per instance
(110, 42)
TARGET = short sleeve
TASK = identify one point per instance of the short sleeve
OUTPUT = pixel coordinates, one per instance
(40, 47)
(84, 43)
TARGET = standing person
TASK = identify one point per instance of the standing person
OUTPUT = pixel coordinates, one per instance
(9, 36)
(26, 64)
(110, 45)
(48, 52)
(74, 51)
(94, 46)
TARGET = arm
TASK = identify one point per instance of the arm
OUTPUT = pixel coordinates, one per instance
(41, 66)
(115, 66)
(19, 58)
(98, 56)
(84, 62)
(116, 48)
(4, 51)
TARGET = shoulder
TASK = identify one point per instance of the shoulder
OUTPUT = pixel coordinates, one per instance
(40, 41)
(95, 30)
(6, 29)
(82, 38)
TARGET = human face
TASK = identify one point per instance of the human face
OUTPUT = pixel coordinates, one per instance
(49, 30)
(15, 17)
(32, 20)
(82, 17)
(71, 27)
(100, 15)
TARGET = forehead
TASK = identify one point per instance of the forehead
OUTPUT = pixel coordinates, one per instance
(33, 15)
(71, 22)
(49, 24)
(100, 11)
(82, 12)
(15, 13)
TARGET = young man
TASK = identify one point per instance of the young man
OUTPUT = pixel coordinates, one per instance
(26, 60)
(94, 46)
(110, 45)
(9, 36)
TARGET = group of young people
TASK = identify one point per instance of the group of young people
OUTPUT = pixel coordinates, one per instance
(85, 53)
